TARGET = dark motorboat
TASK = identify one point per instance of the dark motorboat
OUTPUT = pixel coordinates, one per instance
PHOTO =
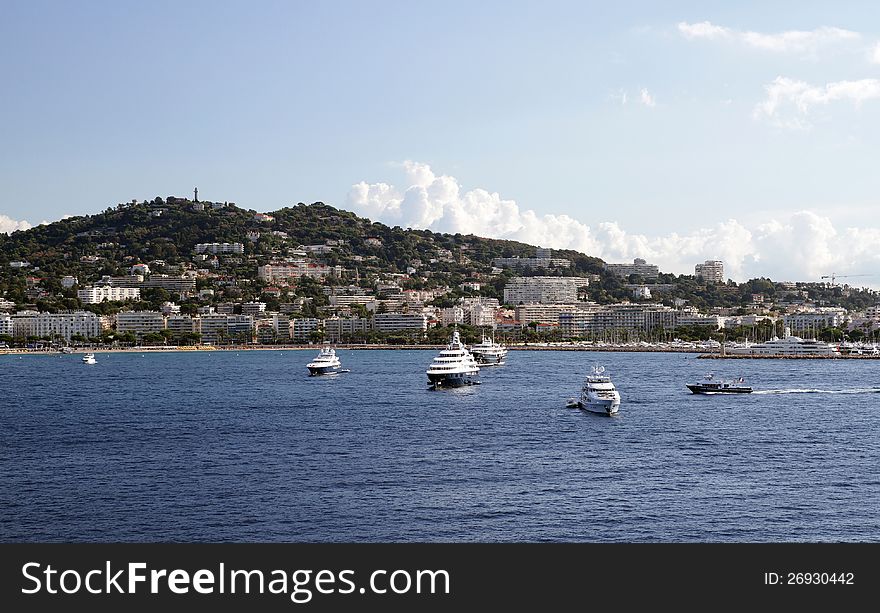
(712, 386)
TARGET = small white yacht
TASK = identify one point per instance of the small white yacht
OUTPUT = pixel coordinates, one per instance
(453, 366)
(598, 394)
(89, 358)
(488, 352)
(325, 362)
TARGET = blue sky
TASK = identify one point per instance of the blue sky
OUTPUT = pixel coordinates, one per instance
(675, 131)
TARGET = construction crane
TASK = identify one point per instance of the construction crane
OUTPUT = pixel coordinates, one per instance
(833, 276)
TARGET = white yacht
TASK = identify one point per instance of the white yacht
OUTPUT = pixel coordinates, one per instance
(488, 352)
(325, 362)
(453, 366)
(598, 395)
(89, 358)
(787, 346)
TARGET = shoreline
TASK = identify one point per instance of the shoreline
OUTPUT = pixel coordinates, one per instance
(699, 354)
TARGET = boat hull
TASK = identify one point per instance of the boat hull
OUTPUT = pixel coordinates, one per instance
(604, 407)
(488, 360)
(322, 370)
(451, 379)
(700, 389)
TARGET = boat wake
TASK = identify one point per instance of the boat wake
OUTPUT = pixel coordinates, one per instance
(857, 390)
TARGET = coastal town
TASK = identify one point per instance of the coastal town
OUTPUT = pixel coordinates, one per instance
(361, 287)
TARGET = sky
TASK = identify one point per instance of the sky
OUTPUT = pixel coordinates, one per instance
(675, 131)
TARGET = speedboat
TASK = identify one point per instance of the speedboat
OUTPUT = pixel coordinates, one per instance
(453, 366)
(325, 362)
(598, 394)
(710, 385)
(488, 352)
(89, 358)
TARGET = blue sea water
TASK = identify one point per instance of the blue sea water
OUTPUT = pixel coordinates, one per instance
(245, 446)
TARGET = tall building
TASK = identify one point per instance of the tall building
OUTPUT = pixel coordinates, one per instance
(336, 328)
(398, 322)
(6, 327)
(548, 290)
(220, 248)
(97, 295)
(711, 271)
(180, 324)
(543, 259)
(140, 322)
(544, 313)
(51, 325)
(253, 308)
(638, 267)
(301, 329)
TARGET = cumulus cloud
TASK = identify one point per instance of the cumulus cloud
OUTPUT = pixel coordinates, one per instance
(799, 246)
(792, 41)
(646, 98)
(789, 101)
(7, 225)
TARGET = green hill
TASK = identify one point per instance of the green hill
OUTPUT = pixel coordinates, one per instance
(163, 233)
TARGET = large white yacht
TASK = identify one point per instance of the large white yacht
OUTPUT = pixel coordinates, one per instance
(89, 358)
(789, 345)
(325, 362)
(488, 352)
(453, 366)
(598, 394)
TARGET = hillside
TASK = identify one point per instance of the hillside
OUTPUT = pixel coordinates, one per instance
(163, 233)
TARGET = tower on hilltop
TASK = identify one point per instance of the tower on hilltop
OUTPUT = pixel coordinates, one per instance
(196, 195)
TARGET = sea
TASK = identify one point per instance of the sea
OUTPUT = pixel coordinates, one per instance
(244, 446)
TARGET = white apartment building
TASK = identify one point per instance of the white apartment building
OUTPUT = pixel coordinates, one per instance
(6, 327)
(547, 290)
(399, 322)
(6, 305)
(452, 315)
(543, 259)
(336, 328)
(301, 329)
(294, 270)
(216, 248)
(98, 294)
(638, 267)
(348, 300)
(253, 308)
(281, 325)
(711, 271)
(180, 324)
(641, 292)
(480, 315)
(184, 285)
(140, 322)
(545, 313)
(810, 321)
(627, 316)
(214, 328)
(240, 327)
(65, 325)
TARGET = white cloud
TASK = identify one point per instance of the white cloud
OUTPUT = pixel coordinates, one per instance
(646, 98)
(794, 246)
(791, 41)
(789, 101)
(8, 225)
